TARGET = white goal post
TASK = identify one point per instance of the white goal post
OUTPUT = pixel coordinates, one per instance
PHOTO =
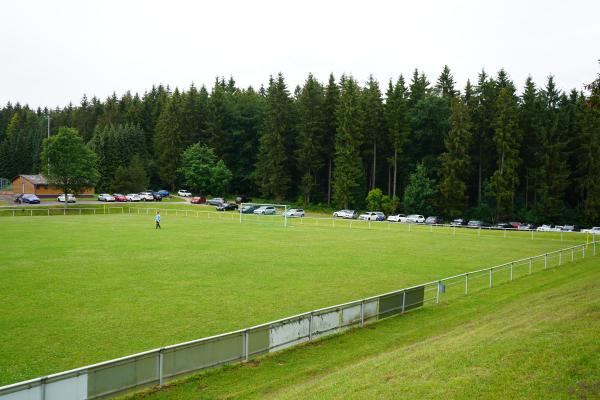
(260, 212)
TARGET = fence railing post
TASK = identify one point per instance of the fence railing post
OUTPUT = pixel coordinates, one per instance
(594, 247)
(310, 318)
(160, 366)
(43, 387)
(545, 260)
(511, 270)
(491, 269)
(362, 313)
(467, 283)
(583, 247)
(403, 300)
(246, 344)
(572, 254)
(560, 258)
(437, 295)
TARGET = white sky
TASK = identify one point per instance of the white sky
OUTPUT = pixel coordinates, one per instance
(52, 52)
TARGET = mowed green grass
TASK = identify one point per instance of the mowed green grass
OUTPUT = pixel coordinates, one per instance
(533, 338)
(76, 290)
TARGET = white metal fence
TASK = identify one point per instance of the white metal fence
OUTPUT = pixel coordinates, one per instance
(155, 366)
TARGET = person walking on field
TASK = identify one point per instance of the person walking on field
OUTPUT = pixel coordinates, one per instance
(157, 219)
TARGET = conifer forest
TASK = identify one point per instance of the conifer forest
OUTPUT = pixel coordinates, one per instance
(493, 149)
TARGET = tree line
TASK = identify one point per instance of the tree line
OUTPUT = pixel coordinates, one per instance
(485, 151)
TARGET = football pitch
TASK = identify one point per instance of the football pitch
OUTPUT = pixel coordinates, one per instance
(76, 290)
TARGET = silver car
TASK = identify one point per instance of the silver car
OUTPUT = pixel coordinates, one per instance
(348, 214)
(265, 210)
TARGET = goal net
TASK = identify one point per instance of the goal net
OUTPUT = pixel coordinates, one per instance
(264, 213)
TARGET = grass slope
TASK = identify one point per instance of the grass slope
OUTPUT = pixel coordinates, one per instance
(535, 338)
(76, 290)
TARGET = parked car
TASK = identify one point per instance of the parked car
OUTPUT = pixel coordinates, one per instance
(70, 198)
(372, 216)
(477, 224)
(515, 225)
(348, 214)
(549, 228)
(294, 213)
(503, 225)
(119, 197)
(571, 228)
(458, 222)
(157, 196)
(27, 198)
(527, 227)
(595, 230)
(183, 193)
(397, 218)
(133, 197)
(434, 220)
(248, 209)
(242, 199)
(265, 210)
(105, 197)
(146, 196)
(227, 207)
(415, 219)
(163, 193)
(216, 201)
(198, 200)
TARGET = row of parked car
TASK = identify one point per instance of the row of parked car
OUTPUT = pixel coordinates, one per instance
(148, 195)
(459, 222)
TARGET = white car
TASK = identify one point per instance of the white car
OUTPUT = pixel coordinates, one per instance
(265, 210)
(397, 218)
(549, 228)
(184, 193)
(133, 197)
(294, 212)
(415, 219)
(594, 231)
(372, 216)
(105, 197)
(70, 198)
(146, 196)
(348, 214)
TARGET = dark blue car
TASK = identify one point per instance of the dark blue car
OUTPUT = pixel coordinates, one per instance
(28, 198)
(163, 193)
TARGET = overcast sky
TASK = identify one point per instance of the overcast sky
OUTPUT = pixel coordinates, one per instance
(52, 52)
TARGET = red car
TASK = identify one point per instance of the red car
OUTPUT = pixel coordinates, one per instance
(198, 200)
(119, 197)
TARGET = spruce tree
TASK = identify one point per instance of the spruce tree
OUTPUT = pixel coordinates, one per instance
(272, 172)
(505, 179)
(455, 161)
(169, 140)
(348, 172)
(532, 148)
(332, 97)
(311, 132)
(397, 124)
(374, 125)
(551, 189)
(589, 157)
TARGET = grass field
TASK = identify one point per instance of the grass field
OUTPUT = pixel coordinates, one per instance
(535, 338)
(76, 290)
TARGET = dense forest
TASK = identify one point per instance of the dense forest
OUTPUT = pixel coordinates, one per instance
(487, 151)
